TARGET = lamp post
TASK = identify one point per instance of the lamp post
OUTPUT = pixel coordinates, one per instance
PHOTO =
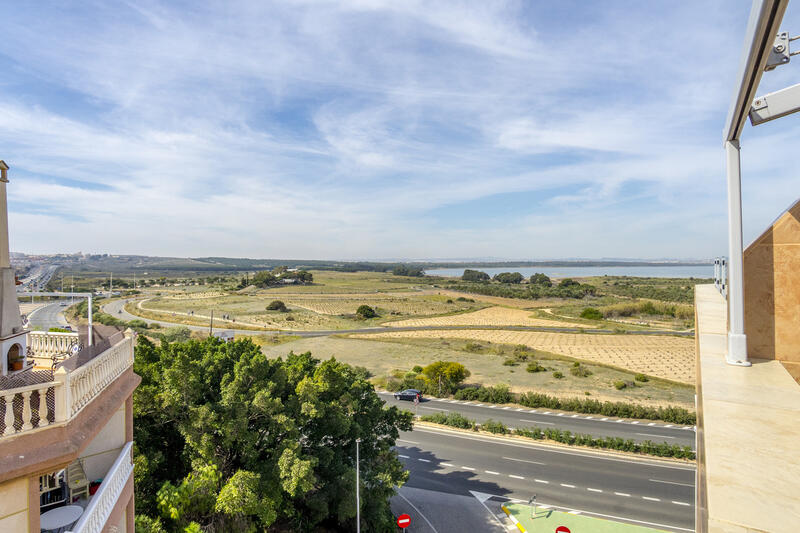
(358, 498)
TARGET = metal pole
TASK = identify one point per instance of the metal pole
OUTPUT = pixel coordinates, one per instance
(358, 496)
(91, 331)
(737, 342)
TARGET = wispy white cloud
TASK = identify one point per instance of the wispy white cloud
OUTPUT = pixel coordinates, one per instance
(344, 129)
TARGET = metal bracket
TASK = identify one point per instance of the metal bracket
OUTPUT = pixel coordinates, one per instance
(779, 55)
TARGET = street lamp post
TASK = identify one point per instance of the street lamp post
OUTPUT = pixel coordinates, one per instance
(358, 497)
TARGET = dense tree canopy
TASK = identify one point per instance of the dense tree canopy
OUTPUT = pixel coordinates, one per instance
(228, 440)
(474, 275)
(509, 277)
(405, 270)
(539, 278)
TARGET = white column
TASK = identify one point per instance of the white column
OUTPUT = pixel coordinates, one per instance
(737, 342)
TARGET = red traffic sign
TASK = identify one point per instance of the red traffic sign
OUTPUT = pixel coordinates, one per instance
(562, 529)
(403, 521)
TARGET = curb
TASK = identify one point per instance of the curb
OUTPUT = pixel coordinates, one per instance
(513, 518)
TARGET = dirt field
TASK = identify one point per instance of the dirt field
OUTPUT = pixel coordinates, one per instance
(662, 356)
(385, 304)
(499, 300)
(382, 357)
(491, 316)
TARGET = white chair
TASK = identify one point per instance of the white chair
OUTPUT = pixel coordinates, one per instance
(76, 481)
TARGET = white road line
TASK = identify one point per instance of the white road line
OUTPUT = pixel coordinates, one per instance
(618, 421)
(549, 449)
(506, 407)
(520, 409)
(448, 464)
(574, 416)
(403, 456)
(417, 510)
(589, 418)
(548, 413)
(681, 503)
(567, 485)
(479, 405)
(635, 422)
(408, 441)
(593, 490)
(651, 424)
(532, 411)
(424, 460)
(434, 408)
(492, 406)
(657, 436)
(467, 468)
(604, 419)
(524, 461)
(537, 422)
(623, 494)
(541, 481)
(668, 426)
(573, 512)
(651, 499)
(492, 472)
(560, 414)
(672, 482)
(515, 477)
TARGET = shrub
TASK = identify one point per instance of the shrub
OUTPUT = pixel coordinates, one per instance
(494, 426)
(289, 318)
(417, 369)
(138, 323)
(591, 313)
(535, 367)
(456, 420)
(619, 384)
(493, 394)
(509, 277)
(580, 370)
(541, 279)
(59, 330)
(177, 334)
(473, 347)
(462, 299)
(277, 305)
(611, 443)
(642, 378)
(365, 312)
(558, 375)
(445, 376)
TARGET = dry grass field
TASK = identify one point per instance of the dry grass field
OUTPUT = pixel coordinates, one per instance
(386, 304)
(499, 300)
(382, 357)
(661, 356)
(491, 316)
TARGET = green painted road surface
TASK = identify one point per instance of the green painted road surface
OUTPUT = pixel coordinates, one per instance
(547, 520)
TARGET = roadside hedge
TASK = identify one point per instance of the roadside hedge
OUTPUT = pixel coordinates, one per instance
(501, 394)
(647, 447)
(609, 443)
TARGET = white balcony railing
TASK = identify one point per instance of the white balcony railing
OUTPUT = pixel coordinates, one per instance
(94, 518)
(72, 388)
(44, 346)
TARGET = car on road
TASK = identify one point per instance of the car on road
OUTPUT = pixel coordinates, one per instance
(408, 394)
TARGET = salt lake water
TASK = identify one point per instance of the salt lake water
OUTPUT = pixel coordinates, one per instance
(659, 271)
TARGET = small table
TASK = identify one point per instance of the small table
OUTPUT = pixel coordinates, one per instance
(60, 518)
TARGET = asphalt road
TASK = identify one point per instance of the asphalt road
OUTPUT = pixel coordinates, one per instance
(48, 316)
(648, 493)
(597, 425)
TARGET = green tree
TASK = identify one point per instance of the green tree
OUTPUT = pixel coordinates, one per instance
(263, 279)
(474, 275)
(365, 311)
(592, 314)
(229, 440)
(541, 279)
(445, 376)
(509, 277)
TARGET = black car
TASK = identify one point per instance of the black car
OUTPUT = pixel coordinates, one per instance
(408, 394)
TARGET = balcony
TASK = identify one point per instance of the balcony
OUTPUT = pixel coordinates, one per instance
(41, 398)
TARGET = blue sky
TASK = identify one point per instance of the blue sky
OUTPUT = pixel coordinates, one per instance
(356, 129)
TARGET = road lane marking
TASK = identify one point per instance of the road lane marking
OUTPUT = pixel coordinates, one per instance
(524, 461)
(417, 510)
(492, 472)
(635, 422)
(574, 416)
(506, 407)
(681, 503)
(424, 460)
(593, 490)
(560, 414)
(651, 499)
(603, 419)
(567, 485)
(515, 477)
(408, 441)
(520, 409)
(623, 494)
(403, 456)
(651, 424)
(537, 422)
(672, 482)
(434, 408)
(541, 481)
(467, 468)
(479, 405)
(448, 464)
(668, 426)
(551, 449)
(573, 512)
(532, 411)
(657, 436)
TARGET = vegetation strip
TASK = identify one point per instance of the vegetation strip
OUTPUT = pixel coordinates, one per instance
(647, 447)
